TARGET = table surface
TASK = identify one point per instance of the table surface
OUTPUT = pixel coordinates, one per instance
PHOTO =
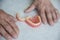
(43, 32)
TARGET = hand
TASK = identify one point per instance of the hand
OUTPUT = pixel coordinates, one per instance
(46, 10)
(8, 28)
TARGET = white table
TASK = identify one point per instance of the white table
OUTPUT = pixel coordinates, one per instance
(44, 32)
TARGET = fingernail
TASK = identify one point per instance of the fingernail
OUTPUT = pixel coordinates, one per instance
(9, 38)
(25, 11)
(45, 23)
(14, 35)
(55, 21)
(51, 23)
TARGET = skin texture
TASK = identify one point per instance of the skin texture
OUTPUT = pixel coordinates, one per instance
(8, 28)
(45, 10)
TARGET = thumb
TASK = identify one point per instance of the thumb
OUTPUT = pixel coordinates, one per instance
(30, 8)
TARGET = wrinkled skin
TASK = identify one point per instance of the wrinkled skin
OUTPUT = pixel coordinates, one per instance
(8, 28)
(46, 10)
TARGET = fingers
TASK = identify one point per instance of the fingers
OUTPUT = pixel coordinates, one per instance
(12, 24)
(9, 22)
(11, 17)
(43, 16)
(57, 14)
(30, 8)
(49, 17)
(54, 16)
(7, 15)
(4, 33)
(8, 29)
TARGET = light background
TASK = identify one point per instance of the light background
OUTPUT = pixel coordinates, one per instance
(44, 32)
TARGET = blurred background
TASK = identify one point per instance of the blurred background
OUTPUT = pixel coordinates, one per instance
(44, 32)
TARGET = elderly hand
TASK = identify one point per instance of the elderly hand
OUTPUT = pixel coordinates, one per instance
(45, 9)
(8, 28)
